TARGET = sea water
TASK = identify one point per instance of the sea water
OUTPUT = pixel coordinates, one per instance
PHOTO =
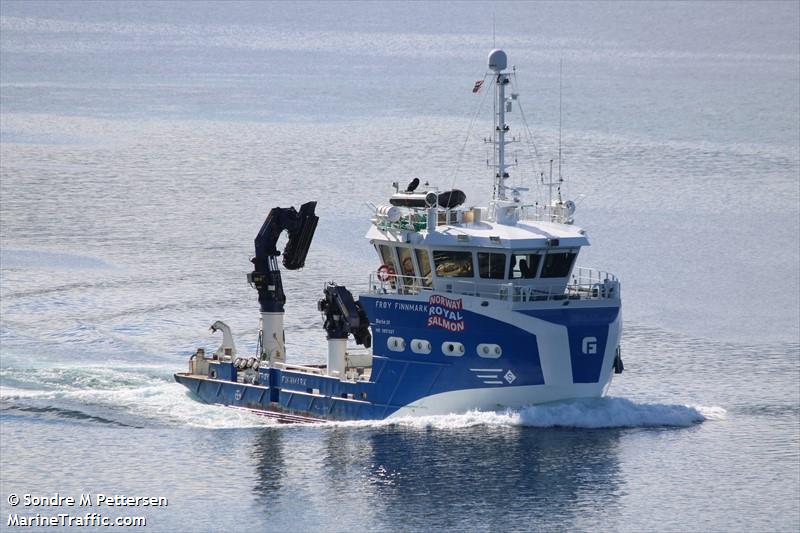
(144, 143)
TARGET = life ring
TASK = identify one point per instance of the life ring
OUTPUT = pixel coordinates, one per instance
(385, 272)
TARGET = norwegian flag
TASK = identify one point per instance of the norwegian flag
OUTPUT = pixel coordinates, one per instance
(477, 86)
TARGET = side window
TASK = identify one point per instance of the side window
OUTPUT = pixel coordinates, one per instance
(491, 266)
(524, 265)
(386, 256)
(424, 262)
(453, 264)
(558, 264)
(406, 263)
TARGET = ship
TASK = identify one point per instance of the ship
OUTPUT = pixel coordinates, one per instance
(472, 308)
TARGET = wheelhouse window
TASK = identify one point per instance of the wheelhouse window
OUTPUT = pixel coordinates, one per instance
(387, 257)
(451, 264)
(524, 265)
(406, 265)
(491, 265)
(558, 264)
(424, 262)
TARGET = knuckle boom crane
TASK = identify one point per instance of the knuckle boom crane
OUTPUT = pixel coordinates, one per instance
(343, 315)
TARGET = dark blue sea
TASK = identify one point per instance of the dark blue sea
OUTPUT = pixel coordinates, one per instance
(143, 143)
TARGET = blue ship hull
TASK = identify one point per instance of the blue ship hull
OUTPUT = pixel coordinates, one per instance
(401, 382)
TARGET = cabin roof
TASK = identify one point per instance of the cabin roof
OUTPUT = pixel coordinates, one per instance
(525, 234)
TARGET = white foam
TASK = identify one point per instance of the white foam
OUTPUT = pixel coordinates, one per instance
(126, 396)
(584, 413)
(13, 393)
(148, 395)
(169, 403)
(611, 413)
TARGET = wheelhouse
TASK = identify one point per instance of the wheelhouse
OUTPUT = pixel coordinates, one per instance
(524, 261)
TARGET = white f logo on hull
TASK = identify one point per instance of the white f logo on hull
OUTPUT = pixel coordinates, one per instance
(589, 345)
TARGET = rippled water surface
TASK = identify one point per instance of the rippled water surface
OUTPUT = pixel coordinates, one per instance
(143, 144)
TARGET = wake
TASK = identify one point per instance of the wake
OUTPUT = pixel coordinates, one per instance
(148, 397)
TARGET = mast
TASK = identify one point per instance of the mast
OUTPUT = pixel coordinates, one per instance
(560, 69)
(497, 63)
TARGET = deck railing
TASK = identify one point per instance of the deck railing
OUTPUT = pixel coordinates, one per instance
(299, 368)
(583, 284)
(416, 218)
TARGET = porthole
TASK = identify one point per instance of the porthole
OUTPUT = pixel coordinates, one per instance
(396, 344)
(489, 351)
(420, 346)
(453, 349)
(213, 374)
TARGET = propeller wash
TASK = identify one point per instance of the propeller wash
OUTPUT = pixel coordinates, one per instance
(471, 308)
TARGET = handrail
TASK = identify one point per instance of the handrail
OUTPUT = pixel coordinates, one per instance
(383, 283)
(297, 368)
(544, 213)
(416, 218)
(585, 284)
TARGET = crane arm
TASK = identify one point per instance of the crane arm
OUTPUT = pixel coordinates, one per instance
(266, 276)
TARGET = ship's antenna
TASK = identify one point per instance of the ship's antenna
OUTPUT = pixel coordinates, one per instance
(560, 69)
(550, 188)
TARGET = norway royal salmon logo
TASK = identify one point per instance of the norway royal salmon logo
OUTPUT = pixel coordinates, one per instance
(445, 313)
